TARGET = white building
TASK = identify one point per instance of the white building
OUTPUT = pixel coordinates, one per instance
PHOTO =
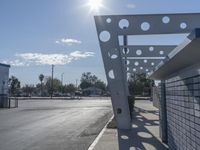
(4, 76)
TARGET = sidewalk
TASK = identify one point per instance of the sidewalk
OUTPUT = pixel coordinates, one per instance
(144, 134)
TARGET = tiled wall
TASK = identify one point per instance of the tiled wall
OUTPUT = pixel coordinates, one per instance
(183, 113)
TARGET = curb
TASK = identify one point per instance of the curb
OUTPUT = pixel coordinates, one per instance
(94, 143)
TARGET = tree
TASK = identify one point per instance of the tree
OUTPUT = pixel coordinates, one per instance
(41, 78)
(28, 89)
(14, 84)
(57, 84)
(88, 80)
(139, 83)
(70, 88)
(101, 85)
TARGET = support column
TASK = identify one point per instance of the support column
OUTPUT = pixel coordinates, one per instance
(163, 113)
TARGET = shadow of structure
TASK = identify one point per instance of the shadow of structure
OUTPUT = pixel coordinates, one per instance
(144, 134)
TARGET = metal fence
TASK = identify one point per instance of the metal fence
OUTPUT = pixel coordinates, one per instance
(13, 102)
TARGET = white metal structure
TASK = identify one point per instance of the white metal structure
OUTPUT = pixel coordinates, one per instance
(120, 58)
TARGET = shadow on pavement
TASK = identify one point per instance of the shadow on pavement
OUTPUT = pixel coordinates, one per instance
(144, 133)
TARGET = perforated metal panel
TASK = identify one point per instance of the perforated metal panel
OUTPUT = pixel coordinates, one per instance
(120, 60)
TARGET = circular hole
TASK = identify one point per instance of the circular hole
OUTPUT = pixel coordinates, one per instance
(152, 64)
(165, 19)
(127, 62)
(183, 25)
(161, 52)
(145, 61)
(114, 56)
(145, 26)
(111, 74)
(125, 50)
(139, 52)
(141, 68)
(147, 70)
(124, 23)
(136, 63)
(108, 20)
(151, 48)
(104, 36)
(113, 53)
(134, 70)
(127, 68)
(109, 54)
(119, 110)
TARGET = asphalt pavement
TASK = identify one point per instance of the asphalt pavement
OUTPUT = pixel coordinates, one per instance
(53, 124)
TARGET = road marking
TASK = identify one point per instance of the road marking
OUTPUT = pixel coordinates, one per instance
(100, 135)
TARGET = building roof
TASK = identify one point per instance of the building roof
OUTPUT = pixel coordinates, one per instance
(92, 88)
(5, 65)
(184, 55)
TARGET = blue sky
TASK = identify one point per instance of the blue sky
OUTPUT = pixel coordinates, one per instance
(34, 32)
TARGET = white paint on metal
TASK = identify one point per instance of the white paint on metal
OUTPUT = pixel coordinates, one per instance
(139, 58)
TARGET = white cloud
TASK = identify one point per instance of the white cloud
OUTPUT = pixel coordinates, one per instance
(68, 41)
(16, 63)
(57, 42)
(27, 59)
(130, 6)
(78, 54)
(44, 59)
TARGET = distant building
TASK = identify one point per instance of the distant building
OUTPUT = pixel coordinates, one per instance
(92, 91)
(4, 76)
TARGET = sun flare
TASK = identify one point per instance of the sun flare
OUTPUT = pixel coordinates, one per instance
(95, 5)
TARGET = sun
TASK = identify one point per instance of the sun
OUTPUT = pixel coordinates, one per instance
(95, 5)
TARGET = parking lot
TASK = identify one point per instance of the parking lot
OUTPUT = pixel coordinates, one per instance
(53, 124)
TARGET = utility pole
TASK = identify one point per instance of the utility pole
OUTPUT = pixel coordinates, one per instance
(77, 83)
(62, 78)
(52, 69)
(62, 89)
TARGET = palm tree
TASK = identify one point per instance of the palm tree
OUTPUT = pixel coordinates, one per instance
(41, 78)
